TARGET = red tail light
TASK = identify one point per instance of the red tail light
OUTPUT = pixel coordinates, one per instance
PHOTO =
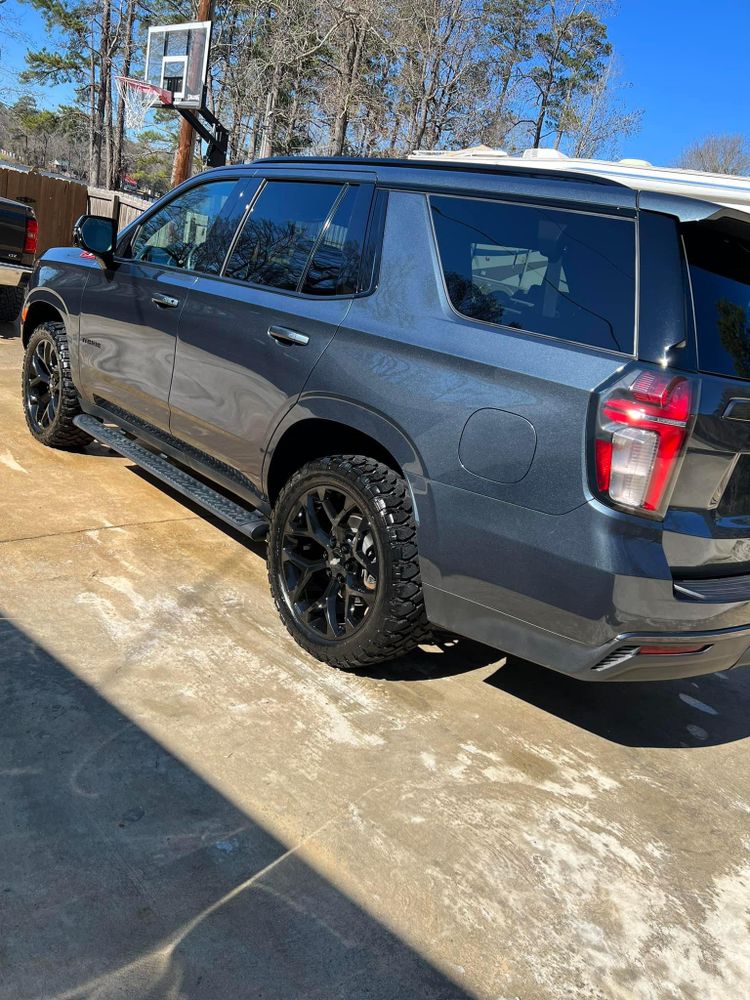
(32, 234)
(641, 430)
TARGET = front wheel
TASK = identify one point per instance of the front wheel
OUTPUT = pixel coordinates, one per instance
(50, 400)
(342, 562)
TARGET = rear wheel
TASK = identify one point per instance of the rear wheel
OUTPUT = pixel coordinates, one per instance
(50, 400)
(11, 300)
(342, 562)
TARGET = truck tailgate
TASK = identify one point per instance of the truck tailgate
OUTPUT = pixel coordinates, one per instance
(13, 216)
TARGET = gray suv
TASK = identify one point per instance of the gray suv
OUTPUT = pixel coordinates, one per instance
(510, 403)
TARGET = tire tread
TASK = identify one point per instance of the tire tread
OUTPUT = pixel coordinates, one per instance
(404, 623)
(11, 301)
(63, 434)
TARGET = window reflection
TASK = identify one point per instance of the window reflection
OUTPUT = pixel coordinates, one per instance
(334, 269)
(562, 274)
(189, 232)
(280, 233)
(731, 321)
(720, 275)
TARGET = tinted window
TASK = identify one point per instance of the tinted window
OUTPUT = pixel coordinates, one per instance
(191, 231)
(562, 274)
(720, 275)
(334, 269)
(280, 233)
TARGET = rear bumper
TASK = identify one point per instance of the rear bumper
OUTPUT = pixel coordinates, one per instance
(14, 274)
(722, 650)
(580, 592)
(618, 660)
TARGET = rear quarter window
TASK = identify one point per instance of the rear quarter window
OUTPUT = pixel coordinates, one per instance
(719, 265)
(553, 272)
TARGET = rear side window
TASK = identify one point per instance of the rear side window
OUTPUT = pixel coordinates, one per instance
(281, 232)
(719, 265)
(558, 273)
(334, 268)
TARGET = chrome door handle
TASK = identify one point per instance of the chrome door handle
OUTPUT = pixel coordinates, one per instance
(165, 301)
(284, 335)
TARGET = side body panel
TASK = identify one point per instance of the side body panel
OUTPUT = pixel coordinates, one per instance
(127, 341)
(232, 381)
(236, 372)
(407, 355)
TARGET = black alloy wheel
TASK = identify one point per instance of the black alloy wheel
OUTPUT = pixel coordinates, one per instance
(343, 563)
(50, 398)
(329, 563)
(43, 385)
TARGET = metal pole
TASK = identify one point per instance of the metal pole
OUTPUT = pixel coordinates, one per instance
(183, 158)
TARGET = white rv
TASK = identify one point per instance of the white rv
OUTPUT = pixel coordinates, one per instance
(723, 189)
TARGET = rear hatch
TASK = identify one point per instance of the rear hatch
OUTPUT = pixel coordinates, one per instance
(707, 526)
(13, 216)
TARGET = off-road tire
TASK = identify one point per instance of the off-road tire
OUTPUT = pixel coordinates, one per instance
(11, 300)
(61, 432)
(396, 622)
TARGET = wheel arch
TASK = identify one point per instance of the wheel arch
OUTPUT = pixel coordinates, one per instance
(40, 310)
(324, 426)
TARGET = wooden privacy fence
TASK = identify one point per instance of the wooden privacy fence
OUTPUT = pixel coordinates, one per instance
(58, 201)
(117, 205)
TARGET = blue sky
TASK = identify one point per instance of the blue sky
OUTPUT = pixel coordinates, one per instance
(686, 62)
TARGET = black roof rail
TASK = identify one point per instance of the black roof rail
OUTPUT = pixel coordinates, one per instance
(452, 165)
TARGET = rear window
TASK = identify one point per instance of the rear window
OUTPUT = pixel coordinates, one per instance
(558, 273)
(719, 265)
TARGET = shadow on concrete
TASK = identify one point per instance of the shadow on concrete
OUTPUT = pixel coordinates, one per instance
(98, 450)
(694, 712)
(444, 656)
(124, 873)
(649, 714)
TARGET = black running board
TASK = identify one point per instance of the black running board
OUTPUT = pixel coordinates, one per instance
(249, 522)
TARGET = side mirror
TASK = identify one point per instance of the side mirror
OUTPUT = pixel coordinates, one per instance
(96, 234)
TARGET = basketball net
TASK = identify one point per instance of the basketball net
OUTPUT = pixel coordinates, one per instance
(139, 97)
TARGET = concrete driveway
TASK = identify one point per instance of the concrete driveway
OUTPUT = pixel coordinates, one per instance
(191, 808)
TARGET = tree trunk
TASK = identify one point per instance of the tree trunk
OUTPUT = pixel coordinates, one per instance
(101, 97)
(352, 64)
(109, 138)
(119, 139)
(269, 114)
(546, 92)
(92, 109)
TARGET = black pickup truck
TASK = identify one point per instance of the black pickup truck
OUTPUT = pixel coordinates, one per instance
(18, 238)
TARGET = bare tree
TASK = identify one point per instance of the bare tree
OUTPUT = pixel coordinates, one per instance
(362, 76)
(128, 29)
(601, 118)
(718, 154)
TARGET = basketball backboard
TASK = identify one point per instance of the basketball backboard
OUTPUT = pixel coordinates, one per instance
(177, 61)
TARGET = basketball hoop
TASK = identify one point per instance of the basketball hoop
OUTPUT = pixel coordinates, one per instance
(139, 97)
